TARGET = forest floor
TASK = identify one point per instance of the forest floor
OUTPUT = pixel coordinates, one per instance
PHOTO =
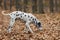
(50, 24)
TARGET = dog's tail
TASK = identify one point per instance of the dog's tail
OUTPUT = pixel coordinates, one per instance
(4, 13)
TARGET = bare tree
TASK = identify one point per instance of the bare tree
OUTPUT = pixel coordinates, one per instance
(5, 6)
(59, 6)
(51, 6)
(56, 6)
(18, 5)
(40, 6)
(16, 2)
(10, 4)
(1, 3)
(34, 6)
(25, 5)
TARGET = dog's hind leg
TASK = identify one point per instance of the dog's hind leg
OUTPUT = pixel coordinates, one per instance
(12, 21)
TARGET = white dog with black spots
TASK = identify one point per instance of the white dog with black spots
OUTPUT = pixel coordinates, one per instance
(27, 17)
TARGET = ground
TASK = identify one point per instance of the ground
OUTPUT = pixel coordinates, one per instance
(50, 24)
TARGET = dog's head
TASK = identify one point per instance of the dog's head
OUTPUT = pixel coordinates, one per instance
(38, 24)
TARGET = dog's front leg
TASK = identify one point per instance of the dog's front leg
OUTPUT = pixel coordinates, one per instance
(28, 27)
(12, 21)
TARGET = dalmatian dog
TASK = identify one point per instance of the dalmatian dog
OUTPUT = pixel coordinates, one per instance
(27, 17)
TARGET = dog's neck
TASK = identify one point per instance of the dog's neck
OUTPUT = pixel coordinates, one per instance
(36, 21)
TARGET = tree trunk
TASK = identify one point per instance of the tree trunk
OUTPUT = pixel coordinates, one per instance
(56, 6)
(5, 6)
(40, 6)
(1, 3)
(34, 6)
(25, 5)
(16, 4)
(51, 6)
(10, 4)
(20, 5)
(59, 6)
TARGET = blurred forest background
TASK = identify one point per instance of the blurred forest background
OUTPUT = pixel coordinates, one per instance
(47, 11)
(34, 6)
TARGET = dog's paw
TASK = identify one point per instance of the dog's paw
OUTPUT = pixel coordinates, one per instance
(9, 30)
(25, 31)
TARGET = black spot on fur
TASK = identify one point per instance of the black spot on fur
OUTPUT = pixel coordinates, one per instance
(28, 16)
(9, 27)
(31, 17)
(17, 15)
(16, 12)
(21, 16)
(11, 14)
(25, 15)
(22, 13)
(35, 19)
(12, 20)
